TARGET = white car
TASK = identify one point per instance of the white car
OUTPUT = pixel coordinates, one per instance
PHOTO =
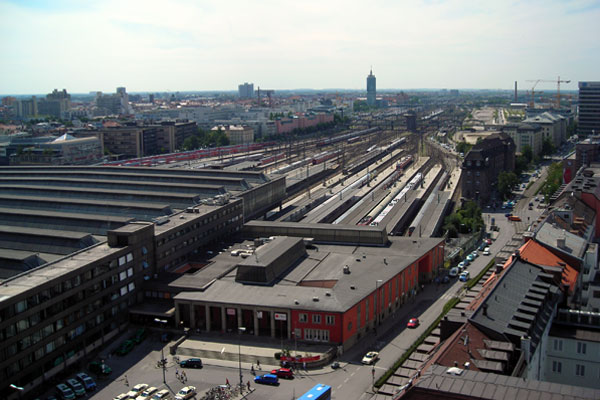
(370, 357)
(137, 390)
(163, 394)
(147, 393)
(486, 251)
(186, 393)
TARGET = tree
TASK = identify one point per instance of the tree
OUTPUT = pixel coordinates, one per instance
(527, 153)
(520, 164)
(506, 183)
(463, 147)
(547, 147)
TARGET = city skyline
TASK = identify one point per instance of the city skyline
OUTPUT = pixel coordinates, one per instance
(148, 47)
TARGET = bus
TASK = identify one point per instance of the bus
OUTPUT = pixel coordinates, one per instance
(318, 392)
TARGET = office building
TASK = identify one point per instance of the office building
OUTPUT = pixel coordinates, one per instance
(172, 134)
(589, 108)
(483, 163)
(525, 135)
(246, 90)
(237, 134)
(371, 89)
(130, 141)
(26, 108)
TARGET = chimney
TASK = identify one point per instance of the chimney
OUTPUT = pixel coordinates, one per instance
(517, 253)
(499, 268)
(526, 348)
(527, 236)
(560, 242)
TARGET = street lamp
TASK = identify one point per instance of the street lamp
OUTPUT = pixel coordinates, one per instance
(163, 362)
(241, 330)
(377, 283)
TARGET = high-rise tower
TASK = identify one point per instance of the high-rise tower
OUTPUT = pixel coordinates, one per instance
(371, 88)
(589, 108)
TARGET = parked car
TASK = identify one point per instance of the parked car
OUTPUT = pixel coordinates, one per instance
(87, 382)
(461, 265)
(100, 368)
(285, 373)
(486, 251)
(370, 358)
(76, 387)
(139, 336)
(464, 276)
(413, 323)
(191, 363)
(122, 396)
(482, 246)
(161, 395)
(125, 347)
(453, 272)
(186, 393)
(488, 241)
(137, 390)
(65, 392)
(145, 395)
(470, 257)
(475, 254)
(267, 379)
(445, 279)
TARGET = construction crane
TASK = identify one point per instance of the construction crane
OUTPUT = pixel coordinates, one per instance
(532, 93)
(558, 82)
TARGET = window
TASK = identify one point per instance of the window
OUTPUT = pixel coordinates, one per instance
(349, 326)
(131, 286)
(129, 257)
(123, 275)
(330, 319)
(316, 318)
(303, 317)
(557, 345)
(581, 348)
(579, 370)
(123, 290)
(122, 260)
(556, 367)
(129, 272)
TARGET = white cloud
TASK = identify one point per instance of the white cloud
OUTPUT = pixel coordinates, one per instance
(208, 45)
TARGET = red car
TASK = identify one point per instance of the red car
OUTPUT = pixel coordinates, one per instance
(285, 373)
(412, 323)
(488, 241)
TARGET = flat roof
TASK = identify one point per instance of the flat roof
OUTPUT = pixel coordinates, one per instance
(318, 282)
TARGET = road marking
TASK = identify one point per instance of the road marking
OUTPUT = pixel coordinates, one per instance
(346, 380)
(352, 374)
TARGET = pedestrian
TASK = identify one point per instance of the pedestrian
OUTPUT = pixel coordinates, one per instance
(176, 373)
(227, 382)
(126, 381)
(304, 366)
(258, 364)
(248, 385)
(184, 376)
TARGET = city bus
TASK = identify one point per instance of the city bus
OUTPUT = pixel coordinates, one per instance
(318, 392)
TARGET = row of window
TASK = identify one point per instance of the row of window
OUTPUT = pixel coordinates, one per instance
(581, 346)
(316, 319)
(204, 221)
(48, 348)
(557, 368)
(64, 286)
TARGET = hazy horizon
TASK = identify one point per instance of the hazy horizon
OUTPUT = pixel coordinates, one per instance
(186, 46)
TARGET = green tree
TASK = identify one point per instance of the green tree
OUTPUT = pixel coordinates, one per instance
(463, 147)
(547, 147)
(506, 183)
(553, 180)
(527, 153)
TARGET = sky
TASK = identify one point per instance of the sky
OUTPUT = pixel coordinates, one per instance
(189, 45)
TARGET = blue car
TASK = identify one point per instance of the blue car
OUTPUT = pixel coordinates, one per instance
(267, 379)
